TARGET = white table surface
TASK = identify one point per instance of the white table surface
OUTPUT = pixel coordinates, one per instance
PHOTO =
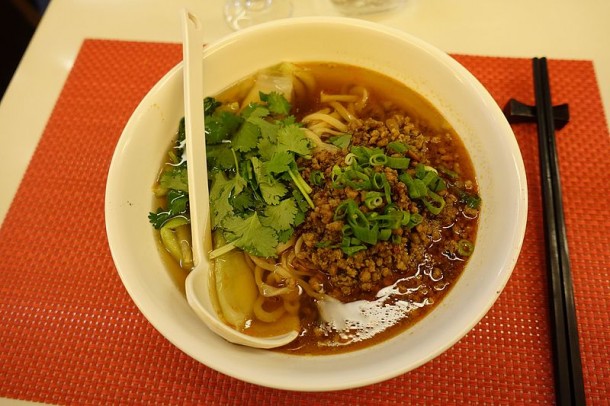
(567, 29)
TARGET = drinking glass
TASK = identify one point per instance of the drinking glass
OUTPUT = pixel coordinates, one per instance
(356, 7)
(245, 13)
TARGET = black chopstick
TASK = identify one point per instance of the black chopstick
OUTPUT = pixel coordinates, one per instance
(568, 365)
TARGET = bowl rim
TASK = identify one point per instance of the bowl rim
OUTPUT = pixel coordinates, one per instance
(503, 275)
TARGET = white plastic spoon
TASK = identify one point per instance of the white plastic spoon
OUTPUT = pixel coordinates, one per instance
(198, 281)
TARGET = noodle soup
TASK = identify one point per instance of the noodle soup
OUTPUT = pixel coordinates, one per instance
(343, 204)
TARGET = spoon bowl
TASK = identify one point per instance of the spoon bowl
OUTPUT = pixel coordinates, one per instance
(198, 289)
(198, 296)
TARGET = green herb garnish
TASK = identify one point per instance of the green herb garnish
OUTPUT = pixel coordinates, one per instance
(258, 199)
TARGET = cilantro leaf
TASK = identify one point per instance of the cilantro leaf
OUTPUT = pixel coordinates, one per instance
(254, 110)
(302, 205)
(244, 201)
(181, 136)
(221, 191)
(276, 102)
(271, 189)
(220, 126)
(291, 138)
(159, 218)
(342, 141)
(174, 177)
(254, 126)
(246, 137)
(266, 148)
(300, 200)
(251, 158)
(281, 216)
(284, 235)
(219, 199)
(267, 129)
(178, 201)
(299, 218)
(238, 184)
(220, 156)
(272, 192)
(288, 120)
(279, 162)
(210, 105)
(251, 235)
(177, 206)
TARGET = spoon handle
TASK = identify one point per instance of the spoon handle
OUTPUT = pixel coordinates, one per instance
(195, 135)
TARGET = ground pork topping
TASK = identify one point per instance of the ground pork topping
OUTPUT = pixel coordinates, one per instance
(410, 250)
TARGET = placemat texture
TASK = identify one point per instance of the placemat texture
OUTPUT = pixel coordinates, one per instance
(70, 334)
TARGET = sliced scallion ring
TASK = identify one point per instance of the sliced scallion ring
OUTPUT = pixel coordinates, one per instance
(465, 248)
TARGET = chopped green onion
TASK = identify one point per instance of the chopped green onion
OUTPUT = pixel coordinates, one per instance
(366, 234)
(361, 153)
(429, 178)
(398, 147)
(420, 171)
(398, 163)
(335, 177)
(316, 178)
(390, 220)
(405, 178)
(377, 180)
(470, 199)
(365, 172)
(347, 231)
(356, 218)
(417, 189)
(354, 241)
(385, 234)
(372, 200)
(356, 180)
(390, 208)
(342, 141)
(434, 203)
(465, 248)
(351, 250)
(350, 158)
(406, 217)
(378, 159)
(448, 172)
(438, 185)
(344, 208)
(386, 189)
(415, 219)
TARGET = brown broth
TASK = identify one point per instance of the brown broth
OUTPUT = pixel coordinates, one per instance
(335, 78)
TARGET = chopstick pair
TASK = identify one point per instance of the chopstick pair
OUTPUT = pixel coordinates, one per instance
(568, 366)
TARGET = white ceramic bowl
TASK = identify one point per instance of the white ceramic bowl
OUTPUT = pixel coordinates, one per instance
(431, 72)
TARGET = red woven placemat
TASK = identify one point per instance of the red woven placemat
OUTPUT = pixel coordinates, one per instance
(69, 333)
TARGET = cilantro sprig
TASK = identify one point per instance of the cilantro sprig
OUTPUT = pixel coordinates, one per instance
(256, 186)
(172, 185)
(257, 194)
